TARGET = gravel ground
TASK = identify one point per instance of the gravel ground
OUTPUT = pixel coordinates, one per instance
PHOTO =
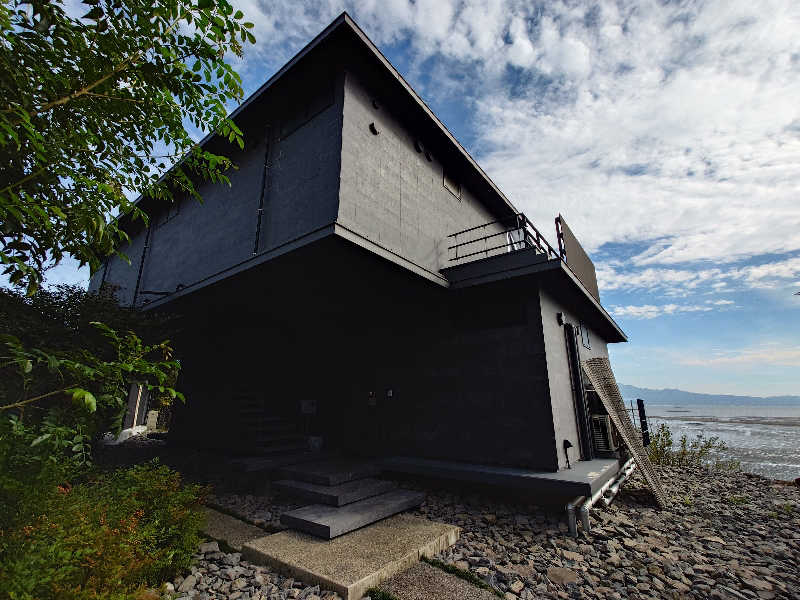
(424, 582)
(263, 510)
(726, 535)
(218, 575)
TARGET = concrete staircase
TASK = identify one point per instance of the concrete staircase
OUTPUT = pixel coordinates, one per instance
(265, 433)
(346, 496)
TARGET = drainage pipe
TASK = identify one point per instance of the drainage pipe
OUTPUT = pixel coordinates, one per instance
(584, 510)
(572, 519)
(629, 468)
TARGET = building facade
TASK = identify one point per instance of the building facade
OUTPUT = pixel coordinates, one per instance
(363, 282)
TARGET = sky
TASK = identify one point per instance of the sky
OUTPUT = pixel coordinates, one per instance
(666, 133)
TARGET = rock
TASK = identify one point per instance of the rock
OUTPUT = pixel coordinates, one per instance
(510, 596)
(207, 547)
(188, 583)
(232, 559)
(169, 588)
(517, 586)
(569, 555)
(713, 538)
(562, 576)
(757, 584)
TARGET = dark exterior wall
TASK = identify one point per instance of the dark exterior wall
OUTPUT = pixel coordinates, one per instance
(296, 131)
(390, 193)
(469, 381)
(558, 372)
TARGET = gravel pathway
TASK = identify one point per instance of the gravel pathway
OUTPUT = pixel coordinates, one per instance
(726, 535)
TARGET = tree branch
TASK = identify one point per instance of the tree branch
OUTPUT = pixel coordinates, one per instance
(22, 403)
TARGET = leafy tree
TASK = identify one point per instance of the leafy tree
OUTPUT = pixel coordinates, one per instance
(93, 111)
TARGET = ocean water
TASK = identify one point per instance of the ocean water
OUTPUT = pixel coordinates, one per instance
(764, 438)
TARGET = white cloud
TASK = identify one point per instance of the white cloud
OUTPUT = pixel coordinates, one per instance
(650, 311)
(776, 274)
(765, 355)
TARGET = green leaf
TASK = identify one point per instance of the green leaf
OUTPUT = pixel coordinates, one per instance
(40, 439)
(84, 398)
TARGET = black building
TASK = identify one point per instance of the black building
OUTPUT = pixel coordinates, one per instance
(364, 281)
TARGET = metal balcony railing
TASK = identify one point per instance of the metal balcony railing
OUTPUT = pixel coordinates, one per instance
(506, 235)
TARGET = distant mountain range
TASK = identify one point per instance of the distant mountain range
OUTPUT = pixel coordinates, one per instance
(672, 396)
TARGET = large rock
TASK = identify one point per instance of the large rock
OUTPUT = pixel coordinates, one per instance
(562, 576)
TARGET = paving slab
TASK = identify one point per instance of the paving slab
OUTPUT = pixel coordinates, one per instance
(330, 472)
(335, 495)
(231, 530)
(423, 582)
(353, 563)
(329, 522)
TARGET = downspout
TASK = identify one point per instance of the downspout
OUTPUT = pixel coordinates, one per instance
(141, 264)
(264, 183)
(572, 519)
(612, 486)
(629, 468)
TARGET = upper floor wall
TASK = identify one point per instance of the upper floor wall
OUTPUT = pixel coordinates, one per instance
(395, 191)
(285, 187)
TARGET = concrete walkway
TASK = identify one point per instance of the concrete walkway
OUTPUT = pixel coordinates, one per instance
(423, 582)
(230, 530)
(353, 563)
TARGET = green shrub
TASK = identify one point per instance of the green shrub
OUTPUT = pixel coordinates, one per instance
(103, 539)
(700, 451)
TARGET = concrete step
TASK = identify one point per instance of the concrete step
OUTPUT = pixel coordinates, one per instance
(329, 522)
(335, 495)
(331, 472)
(266, 465)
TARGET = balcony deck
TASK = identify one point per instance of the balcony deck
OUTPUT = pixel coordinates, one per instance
(583, 479)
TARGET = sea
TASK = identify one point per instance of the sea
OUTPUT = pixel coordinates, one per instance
(763, 437)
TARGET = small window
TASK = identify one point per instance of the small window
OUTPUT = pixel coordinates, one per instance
(452, 185)
(587, 343)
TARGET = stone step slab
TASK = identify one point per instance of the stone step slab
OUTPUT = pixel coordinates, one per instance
(331, 472)
(335, 495)
(328, 522)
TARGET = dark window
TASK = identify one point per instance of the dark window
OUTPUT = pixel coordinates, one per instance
(587, 343)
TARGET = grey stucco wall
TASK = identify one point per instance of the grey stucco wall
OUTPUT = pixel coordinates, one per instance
(390, 193)
(558, 374)
(300, 141)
